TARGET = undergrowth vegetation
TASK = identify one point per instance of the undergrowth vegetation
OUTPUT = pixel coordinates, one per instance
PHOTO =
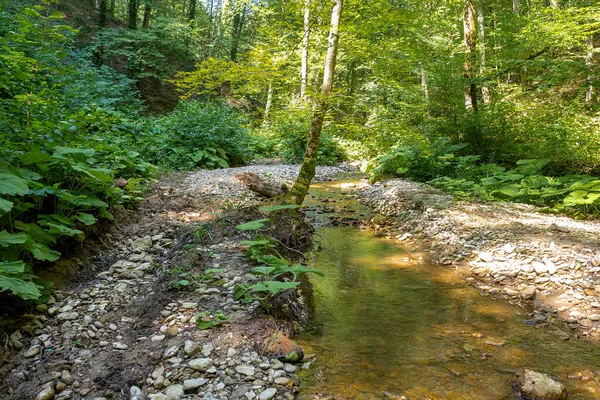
(442, 166)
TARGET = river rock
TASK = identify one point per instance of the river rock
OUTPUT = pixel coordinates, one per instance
(46, 394)
(247, 370)
(190, 348)
(267, 394)
(33, 351)
(175, 392)
(192, 384)
(280, 346)
(201, 364)
(528, 292)
(537, 386)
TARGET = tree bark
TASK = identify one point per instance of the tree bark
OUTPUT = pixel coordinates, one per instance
(268, 103)
(485, 91)
(590, 95)
(147, 15)
(305, 44)
(112, 8)
(102, 14)
(517, 7)
(192, 13)
(236, 33)
(425, 88)
(132, 14)
(471, 56)
(307, 171)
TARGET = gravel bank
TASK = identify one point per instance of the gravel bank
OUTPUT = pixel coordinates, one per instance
(548, 262)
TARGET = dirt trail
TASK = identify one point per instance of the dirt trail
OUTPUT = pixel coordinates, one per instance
(125, 331)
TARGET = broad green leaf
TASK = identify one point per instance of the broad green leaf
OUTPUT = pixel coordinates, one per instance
(87, 219)
(24, 289)
(35, 232)
(35, 157)
(510, 190)
(263, 270)
(7, 239)
(273, 287)
(5, 206)
(252, 225)
(57, 228)
(42, 252)
(13, 268)
(279, 207)
(12, 184)
(61, 152)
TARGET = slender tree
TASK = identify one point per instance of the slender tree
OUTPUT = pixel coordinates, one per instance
(147, 15)
(485, 91)
(102, 13)
(590, 97)
(471, 56)
(132, 13)
(309, 165)
(305, 44)
(192, 13)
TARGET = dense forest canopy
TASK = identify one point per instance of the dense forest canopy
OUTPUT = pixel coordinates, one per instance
(490, 98)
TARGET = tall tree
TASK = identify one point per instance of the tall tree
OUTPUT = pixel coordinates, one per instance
(147, 15)
(236, 32)
(590, 97)
(192, 13)
(309, 165)
(471, 56)
(305, 44)
(102, 13)
(132, 13)
(485, 91)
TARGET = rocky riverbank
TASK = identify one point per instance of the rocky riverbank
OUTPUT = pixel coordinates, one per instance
(129, 329)
(548, 263)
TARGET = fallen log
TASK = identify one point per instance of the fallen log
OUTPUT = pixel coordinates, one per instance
(259, 185)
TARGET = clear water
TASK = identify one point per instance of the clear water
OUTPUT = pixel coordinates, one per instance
(388, 324)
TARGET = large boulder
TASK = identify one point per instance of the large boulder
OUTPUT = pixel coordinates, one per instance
(531, 385)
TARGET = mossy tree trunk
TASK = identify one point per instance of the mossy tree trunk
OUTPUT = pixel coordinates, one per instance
(307, 171)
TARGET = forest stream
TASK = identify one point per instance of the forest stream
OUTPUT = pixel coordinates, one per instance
(387, 323)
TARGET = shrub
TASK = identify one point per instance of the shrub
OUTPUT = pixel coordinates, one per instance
(195, 135)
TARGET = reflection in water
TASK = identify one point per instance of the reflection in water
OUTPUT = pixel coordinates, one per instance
(386, 321)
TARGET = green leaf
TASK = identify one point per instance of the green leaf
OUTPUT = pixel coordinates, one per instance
(263, 270)
(279, 207)
(509, 190)
(87, 219)
(35, 232)
(61, 152)
(42, 252)
(5, 206)
(12, 184)
(13, 268)
(7, 239)
(252, 225)
(24, 289)
(273, 287)
(57, 228)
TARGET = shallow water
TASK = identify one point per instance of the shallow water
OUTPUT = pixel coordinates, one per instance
(387, 321)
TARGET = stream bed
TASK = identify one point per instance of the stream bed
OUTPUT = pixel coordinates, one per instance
(387, 323)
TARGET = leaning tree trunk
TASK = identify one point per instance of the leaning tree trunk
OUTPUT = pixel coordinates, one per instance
(305, 43)
(471, 56)
(307, 171)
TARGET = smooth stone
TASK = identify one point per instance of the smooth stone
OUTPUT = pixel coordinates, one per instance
(201, 364)
(171, 351)
(536, 385)
(207, 349)
(528, 293)
(33, 351)
(594, 317)
(67, 316)
(192, 384)
(190, 348)
(267, 394)
(46, 394)
(247, 370)
(175, 392)
(119, 346)
(486, 257)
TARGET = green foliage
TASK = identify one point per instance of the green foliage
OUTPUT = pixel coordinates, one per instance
(195, 135)
(207, 320)
(252, 225)
(60, 150)
(290, 131)
(278, 273)
(464, 176)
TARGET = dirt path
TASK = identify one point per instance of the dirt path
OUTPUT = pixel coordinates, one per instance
(548, 263)
(129, 331)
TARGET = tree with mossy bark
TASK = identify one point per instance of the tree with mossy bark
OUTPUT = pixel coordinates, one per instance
(307, 171)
